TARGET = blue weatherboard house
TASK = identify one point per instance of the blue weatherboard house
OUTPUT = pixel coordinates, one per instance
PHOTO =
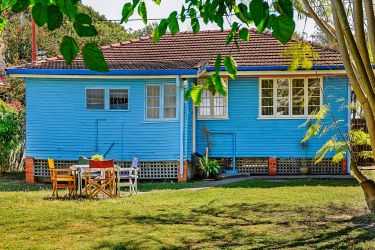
(138, 107)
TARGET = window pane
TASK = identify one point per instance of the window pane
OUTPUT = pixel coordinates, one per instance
(219, 105)
(267, 101)
(212, 106)
(282, 100)
(314, 92)
(298, 97)
(95, 98)
(313, 109)
(153, 101)
(267, 110)
(267, 84)
(267, 92)
(267, 97)
(282, 110)
(118, 99)
(169, 101)
(314, 101)
(314, 86)
(205, 107)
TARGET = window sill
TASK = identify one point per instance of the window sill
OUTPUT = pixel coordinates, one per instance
(284, 118)
(213, 119)
(108, 110)
(159, 121)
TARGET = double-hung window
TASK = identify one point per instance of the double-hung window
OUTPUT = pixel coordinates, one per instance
(289, 97)
(161, 101)
(212, 106)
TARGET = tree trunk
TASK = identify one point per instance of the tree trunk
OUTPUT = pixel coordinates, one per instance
(368, 188)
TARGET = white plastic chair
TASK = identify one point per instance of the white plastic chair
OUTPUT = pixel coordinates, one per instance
(130, 175)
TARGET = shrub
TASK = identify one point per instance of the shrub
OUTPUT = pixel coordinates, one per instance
(12, 120)
(209, 167)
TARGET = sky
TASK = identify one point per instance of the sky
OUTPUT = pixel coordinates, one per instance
(111, 9)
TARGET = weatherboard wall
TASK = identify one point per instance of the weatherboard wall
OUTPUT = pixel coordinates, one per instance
(58, 125)
(256, 137)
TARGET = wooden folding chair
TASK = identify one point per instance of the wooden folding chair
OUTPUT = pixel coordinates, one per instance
(100, 178)
(62, 178)
(130, 175)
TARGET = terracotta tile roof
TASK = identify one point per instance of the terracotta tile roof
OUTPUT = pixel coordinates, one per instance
(187, 51)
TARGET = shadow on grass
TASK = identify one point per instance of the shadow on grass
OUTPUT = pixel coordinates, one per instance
(134, 245)
(258, 226)
(291, 183)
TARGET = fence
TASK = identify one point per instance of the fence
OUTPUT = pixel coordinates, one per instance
(360, 124)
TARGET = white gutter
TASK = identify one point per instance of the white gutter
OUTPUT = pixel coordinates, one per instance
(193, 134)
(180, 87)
(349, 123)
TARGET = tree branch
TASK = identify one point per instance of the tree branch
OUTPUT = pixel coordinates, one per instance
(323, 27)
(352, 78)
(353, 49)
(361, 40)
(369, 9)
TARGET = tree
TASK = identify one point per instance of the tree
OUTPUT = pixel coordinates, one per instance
(352, 44)
(17, 35)
(351, 29)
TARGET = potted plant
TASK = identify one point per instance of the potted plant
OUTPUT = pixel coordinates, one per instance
(304, 168)
(209, 167)
(97, 157)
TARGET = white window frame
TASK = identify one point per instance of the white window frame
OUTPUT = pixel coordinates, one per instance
(290, 115)
(161, 102)
(107, 99)
(212, 116)
(104, 98)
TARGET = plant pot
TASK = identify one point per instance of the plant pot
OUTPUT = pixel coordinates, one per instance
(303, 170)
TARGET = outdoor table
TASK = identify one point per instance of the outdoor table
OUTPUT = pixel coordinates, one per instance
(81, 169)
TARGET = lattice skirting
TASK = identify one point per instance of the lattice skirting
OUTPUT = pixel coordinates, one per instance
(246, 165)
(148, 170)
(290, 166)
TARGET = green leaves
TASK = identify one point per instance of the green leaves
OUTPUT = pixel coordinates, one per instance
(93, 58)
(194, 20)
(83, 26)
(54, 17)
(127, 11)
(20, 5)
(219, 84)
(39, 13)
(160, 30)
(218, 63)
(69, 49)
(284, 7)
(157, 1)
(173, 23)
(68, 7)
(183, 14)
(2, 25)
(196, 94)
(242, 13)
(244, 34)
(142, 11)
(282, 28)
(260, 13)
(231, 66)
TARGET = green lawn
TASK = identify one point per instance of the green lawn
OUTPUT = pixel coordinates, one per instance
(300, 214)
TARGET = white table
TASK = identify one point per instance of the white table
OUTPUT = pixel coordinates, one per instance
(81, 169)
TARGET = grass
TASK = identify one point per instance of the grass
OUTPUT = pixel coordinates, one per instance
(15, 182)
(296, 214)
